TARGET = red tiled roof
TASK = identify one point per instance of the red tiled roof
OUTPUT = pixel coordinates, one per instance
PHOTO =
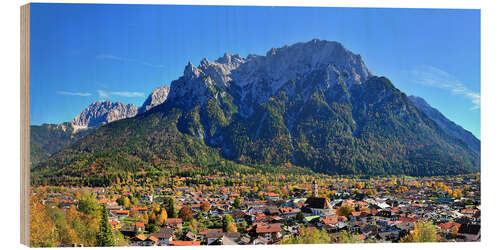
(362, 203)
(271, 194)
(174, 220)
(153, 238)
(140, 237)
(114, 223)
(258, 224)
(184, 243)
(70, 202)
(449, 225)
(467, 211)
(407, 219)
(203, 232)
(269, 228)
(342, 218)
(139, 224)
(260, 214)
(329, 219)
(287, 210)
(134, 207)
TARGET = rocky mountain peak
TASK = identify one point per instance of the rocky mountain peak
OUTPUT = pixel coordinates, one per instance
(103, 112)
(259, 77)
(191, 72)
(313, 55)
(157, 97)
(230, 59)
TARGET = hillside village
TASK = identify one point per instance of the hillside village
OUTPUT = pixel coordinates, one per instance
(345, 210)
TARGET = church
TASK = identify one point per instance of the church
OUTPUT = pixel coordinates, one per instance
(315, 205)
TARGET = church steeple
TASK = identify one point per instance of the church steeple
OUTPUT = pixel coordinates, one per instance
(315, 189)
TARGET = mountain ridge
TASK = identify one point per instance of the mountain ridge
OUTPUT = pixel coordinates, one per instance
(330, 115)
(448, 125)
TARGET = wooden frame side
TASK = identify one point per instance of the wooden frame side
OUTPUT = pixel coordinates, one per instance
(25, 128)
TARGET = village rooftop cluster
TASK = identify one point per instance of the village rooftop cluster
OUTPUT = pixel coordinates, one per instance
(356, 209)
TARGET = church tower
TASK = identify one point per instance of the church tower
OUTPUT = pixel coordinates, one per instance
(315, 189)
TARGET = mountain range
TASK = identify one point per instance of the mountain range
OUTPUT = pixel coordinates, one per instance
(312, 105)
(46, 139)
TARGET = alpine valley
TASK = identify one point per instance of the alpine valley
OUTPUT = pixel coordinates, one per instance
(308, 107)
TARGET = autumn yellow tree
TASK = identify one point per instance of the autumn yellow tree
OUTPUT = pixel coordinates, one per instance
(161, 219)
(347, 237)
(143, 218)
(423, 232)
(42, 228)
(309, 236)
(231, 227)
(193, 226)
(344, 210)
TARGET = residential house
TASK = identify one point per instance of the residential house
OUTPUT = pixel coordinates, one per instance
(142, 240)
(271, 196)
(270, 232)
(471, 232)
(164, 235)
(174, 223)
(120, 214)
(239, 216)
(214, 236)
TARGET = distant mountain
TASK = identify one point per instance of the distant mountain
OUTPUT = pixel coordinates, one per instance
(103, 112)
(311, 105)
(157, 97)
(46, 139)
(446, 124)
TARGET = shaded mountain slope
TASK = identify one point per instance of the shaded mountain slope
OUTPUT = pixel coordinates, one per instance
(311, 105)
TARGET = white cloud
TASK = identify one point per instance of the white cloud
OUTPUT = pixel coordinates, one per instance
(434, 77)
(73, 93)
(106, 94)
(124, 59)
(128, 94)
(103, 94)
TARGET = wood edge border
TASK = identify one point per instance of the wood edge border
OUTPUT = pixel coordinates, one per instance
(25, 118)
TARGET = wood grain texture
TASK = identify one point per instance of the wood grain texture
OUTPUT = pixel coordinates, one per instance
(25, 118)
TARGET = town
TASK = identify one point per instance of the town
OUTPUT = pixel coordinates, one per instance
(253, 210)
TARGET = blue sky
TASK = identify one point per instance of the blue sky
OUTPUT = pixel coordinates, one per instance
(85, 53)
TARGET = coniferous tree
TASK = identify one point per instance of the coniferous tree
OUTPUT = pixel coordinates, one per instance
(237, 203)
(300, 217)
(172, 213)
(105, 236)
